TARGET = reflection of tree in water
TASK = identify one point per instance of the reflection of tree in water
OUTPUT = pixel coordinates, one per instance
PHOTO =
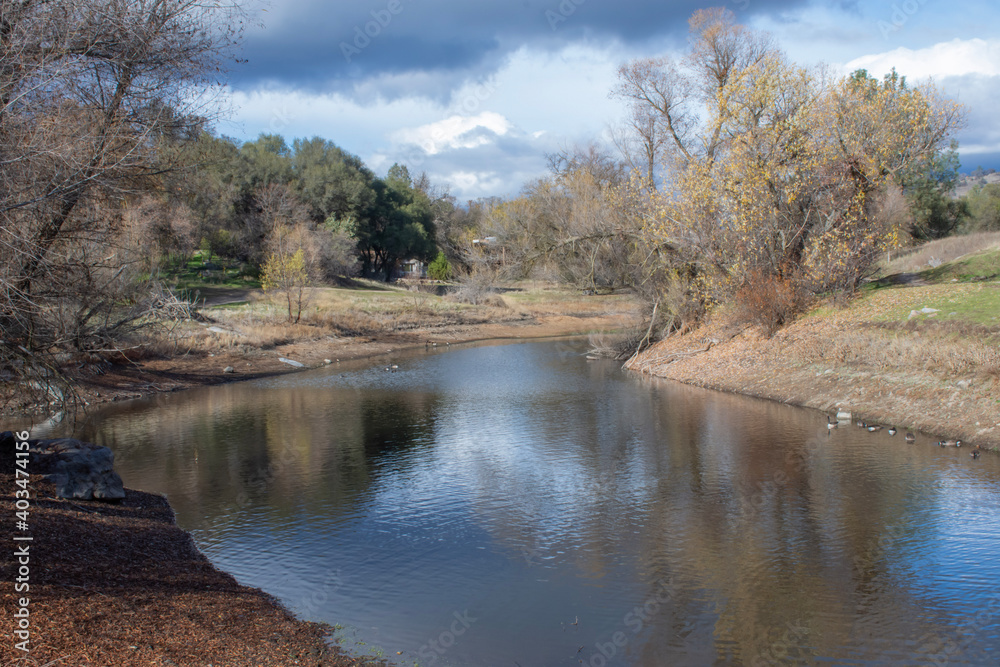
(776, 543)
(395, 422)
(238, 444)
(771, 547)
(736, 504)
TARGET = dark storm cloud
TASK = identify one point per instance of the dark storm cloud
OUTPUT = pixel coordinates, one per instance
(989, 160)
(319, 45)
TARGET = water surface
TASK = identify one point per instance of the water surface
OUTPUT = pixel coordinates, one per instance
(519, 505)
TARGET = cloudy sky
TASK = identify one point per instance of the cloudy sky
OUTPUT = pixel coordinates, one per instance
(477, 92)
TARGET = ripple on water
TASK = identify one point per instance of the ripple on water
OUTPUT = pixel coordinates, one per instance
(559, 502)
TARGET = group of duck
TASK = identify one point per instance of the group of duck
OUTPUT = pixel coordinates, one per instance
(909, 437)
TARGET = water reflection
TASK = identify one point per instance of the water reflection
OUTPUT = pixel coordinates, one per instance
(511, 504)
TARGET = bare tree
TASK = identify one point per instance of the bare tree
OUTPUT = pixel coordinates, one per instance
(640, 141)
(567, 225)
(90, 91)
(674, 91)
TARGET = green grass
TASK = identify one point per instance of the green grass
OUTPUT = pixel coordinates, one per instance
(965, 290)
(951, 248)
(979, 306)
(981, 266)
(975, 303)
(191, 275)
(235, 305)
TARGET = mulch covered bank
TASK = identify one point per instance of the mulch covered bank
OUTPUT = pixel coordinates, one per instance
(123, 585)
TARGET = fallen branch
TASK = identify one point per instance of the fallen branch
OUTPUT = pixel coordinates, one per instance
(671, 357)
(645, 339)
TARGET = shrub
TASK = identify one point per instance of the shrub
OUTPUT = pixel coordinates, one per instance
(770, 301)
(984, 208)
(288, 275)
(440, 268)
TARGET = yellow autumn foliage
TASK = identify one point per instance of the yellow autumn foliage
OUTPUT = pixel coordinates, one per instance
(776, 170)
(287, 274)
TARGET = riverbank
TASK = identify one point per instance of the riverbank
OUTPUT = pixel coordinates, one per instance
(121, 584)
(249, 339)
(918, 356)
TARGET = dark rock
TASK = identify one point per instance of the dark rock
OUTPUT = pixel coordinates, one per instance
(80, 470)
(7, 452)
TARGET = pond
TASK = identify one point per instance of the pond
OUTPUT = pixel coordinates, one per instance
(521, 505)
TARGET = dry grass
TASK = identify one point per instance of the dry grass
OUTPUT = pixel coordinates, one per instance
(375, 310)
(879, 332)
(887, 350)
(935, 372)
(928, 255)
(477, 296)
(551, 299)
(619, 346)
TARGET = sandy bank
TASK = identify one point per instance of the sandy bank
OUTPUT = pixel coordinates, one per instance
(926, 376)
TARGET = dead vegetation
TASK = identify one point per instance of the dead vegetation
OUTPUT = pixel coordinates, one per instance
(935, 253)
(769, 301)
(928, 373)
(933, 350)
(262, 324)
(620, 346)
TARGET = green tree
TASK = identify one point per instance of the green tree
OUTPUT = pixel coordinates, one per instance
(928, 186)
(265, 161)
(440, 268)
(331, 182)
(399, 224)
(984, 208)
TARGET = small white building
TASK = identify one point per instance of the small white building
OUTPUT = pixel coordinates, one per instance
(412, 268)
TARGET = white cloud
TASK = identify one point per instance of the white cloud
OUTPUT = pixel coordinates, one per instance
(479, 181)
(965, 70)
(455, 132)
(484, 137)
(489, 136)
(945, 59)
(358, 127)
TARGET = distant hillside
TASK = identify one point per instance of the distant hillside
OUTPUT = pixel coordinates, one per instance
(968, 181)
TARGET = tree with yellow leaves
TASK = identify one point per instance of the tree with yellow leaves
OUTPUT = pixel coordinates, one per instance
(775, 174)
(287, 273)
